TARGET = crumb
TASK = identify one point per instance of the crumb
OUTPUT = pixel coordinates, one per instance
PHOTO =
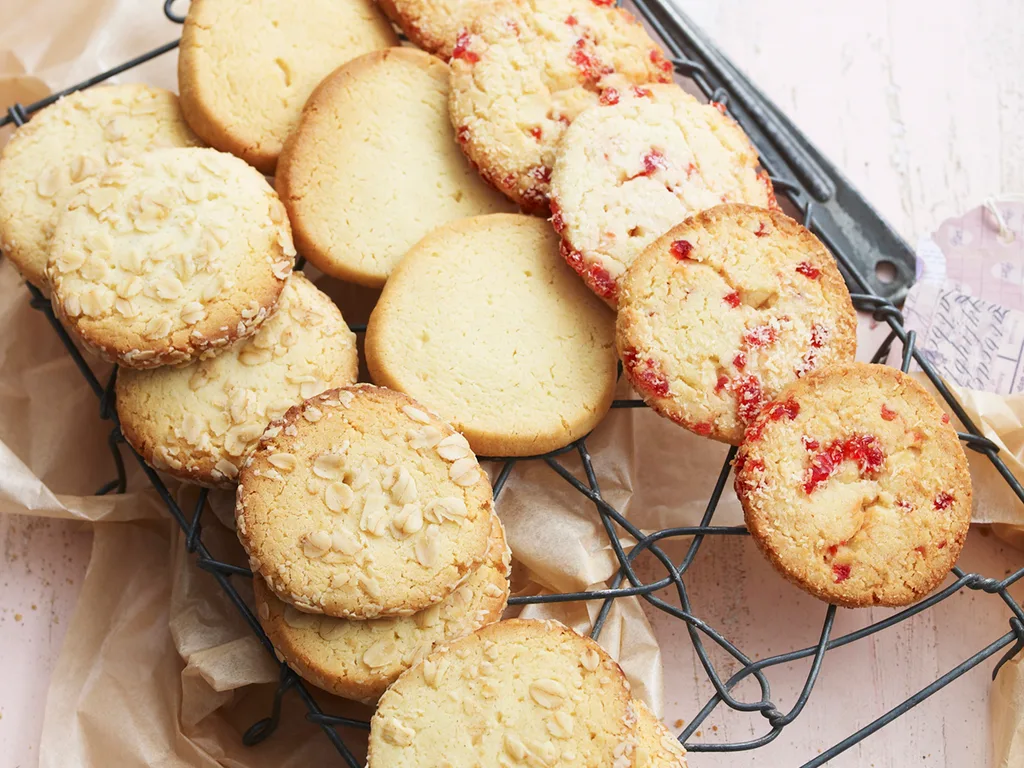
(714, 728)
(34, 607)
(18, 617)
(679, 723)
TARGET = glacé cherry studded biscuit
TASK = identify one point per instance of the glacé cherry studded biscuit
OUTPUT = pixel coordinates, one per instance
(656, 747)
(360, 659)
(198, 422)
(519, 692)
(168, 256)
(245, 70)
(67, 143)
(525, 69)
(726, 309)
(855, 486)
(359, 503)
(374, 138)
(480, 318)
(628, 171)
(433, 25)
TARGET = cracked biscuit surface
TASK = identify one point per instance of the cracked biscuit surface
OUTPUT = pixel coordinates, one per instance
(482, 317)
(374, 139)
(360, 659)
(199, 422)
(656, 747)
(855, 486)
(525, 69)
(726, 309)
(628, 171)
(63, 146)
(246, 69)
(523, 692)
(359, 503)
(434, 25)
(169, 256)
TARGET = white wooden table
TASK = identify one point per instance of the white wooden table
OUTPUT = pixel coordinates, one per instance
(923, 109)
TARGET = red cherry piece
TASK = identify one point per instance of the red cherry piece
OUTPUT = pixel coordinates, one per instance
(941, 545)
(722, 383)
(888, 413)
(808, 270)
(906, 506)
(703, 429)
(921, 551)
(641, 92)
(943, 501)
(864, 450)
(761, 336)
(819, 336)
(645, 374)
(461, 50)
(571, 21)
(762, 231)
(841, 572)
(945, 418)
(810, 444)
(718, 105)
(732, 299)
(740, 361)
(609, 97)
(681, 249)
(749, 398)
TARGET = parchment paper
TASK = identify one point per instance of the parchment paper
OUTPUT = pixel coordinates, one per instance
(158, 669)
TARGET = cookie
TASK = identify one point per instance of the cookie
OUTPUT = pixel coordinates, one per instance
(169, 256)
(726, 309)
(855, 486)
(199, 422)
(245, 71)
(656, 747)
(66, 143)
(525, 69)
(627, 171)
(433, 25)
(359, 503)
(483, 322)
(519, 692)
(360, 659)
(374, 138)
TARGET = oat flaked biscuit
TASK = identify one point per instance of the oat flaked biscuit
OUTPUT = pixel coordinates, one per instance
(244, 71)
(726, 309)
(519, 692)
(199, 422)
(632, 167)
(855, 486)
(66, 144)
(169, 256)
(434, 25)
(360, 659)
(373, 166)
(656, 747)
(525, 69)
(484, 322)
(360, 503)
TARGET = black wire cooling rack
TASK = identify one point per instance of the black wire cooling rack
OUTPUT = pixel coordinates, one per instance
(865, 249)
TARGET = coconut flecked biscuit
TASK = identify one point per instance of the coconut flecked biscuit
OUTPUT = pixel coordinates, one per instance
(168, 256)
(482, 317)
(245, 71)
(199, 422)
(359, 504)
(373, 139)
(525, 69)
(726, 309)
(66, 143)
(628, 171)
(656, 747)
(855, 486)
(433, 25)
(360, 659)
(519, 692)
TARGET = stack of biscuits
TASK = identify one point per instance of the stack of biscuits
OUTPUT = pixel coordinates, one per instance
(536, 200)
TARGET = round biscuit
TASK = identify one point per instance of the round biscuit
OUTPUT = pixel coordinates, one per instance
(519, 692)
(244, 70)
(169, 256)
(726, 309)
(199, 422)
(484, 322)
(855, 486)
(656, 747)
(67, 143)
(359, 503)
(374, 138)
(433, 25)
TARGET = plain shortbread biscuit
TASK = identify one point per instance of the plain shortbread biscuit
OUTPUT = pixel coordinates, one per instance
(726, 309)
(373, 166)
(199, 422)
(359, 504)
(360, 659)
(67, 143)
(515, 693)
(484, 322)
(855, 486)
(245, 69)
(627, 172)
(168, 256)
(433, 25)
(526, 68)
